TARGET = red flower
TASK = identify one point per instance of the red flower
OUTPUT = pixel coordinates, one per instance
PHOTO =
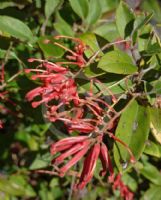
(105, 160)
(89, 166)
(66, 142)
(56, 84)
(78, 147)
(88, 114)
(124, 191)
(83, 127)
(78, 55)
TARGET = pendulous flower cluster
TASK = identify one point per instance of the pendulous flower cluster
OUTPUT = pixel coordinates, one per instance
(89, 115)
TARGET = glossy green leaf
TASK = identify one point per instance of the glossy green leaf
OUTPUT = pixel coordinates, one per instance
(92, 71)
(95, 12)
(117, 62)
(151, 173)
(153, 149)
(80, 7)
(90, 40)
(153, 49)
(152, 193)
(108, 31)
(155, 119)
(62, 27)
(50, 7)
(15, 28)
(41, 161)
(140, 22)
(144, 34)
(129, 181)
(131, 129)
(124, 20)
(49, 49)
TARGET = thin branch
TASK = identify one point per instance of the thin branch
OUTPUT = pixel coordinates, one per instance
(10, 79)
(102, 49)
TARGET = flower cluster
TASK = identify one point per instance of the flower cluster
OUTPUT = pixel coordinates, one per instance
(56, 85)
(89, 115)
(78, 147)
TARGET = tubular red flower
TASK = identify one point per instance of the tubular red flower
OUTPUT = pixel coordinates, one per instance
(89, 166)
(76, 55)
(74, 149)
(104, 159)
(54, 67)
(74, 160)
(78, 113)
(54, 150)
(33, 93)
(55, 86)
(83, 127)
(66, 141)
(124, 191)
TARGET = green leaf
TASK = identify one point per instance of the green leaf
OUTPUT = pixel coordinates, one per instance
(12, 54)
(62, 27)
(131, 129)
(4, 5)
(153, 49)
(153, 149)
(152, 193)
(49, 49)
(15, 28)
(92, 71)
(129, 181)
(116, 87)
(151, 173)
(16, 185)
(41, 161)
(124, 20)
(108, 31)
(156, 86)
(108, 5)
(21, 182)
(144, 35)
(117, 62)
(95, 12)
(152, 6)
(50, 7)
(80, 7)
(90, 40)
(140, 21)
(9, 188)
(155, 119)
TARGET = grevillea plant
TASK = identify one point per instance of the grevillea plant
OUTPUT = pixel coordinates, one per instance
(89, 115)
